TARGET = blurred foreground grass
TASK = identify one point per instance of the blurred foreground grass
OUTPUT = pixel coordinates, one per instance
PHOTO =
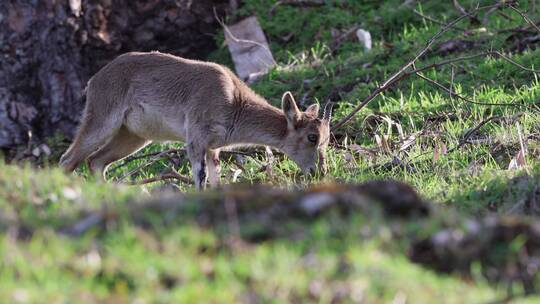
(180, 256)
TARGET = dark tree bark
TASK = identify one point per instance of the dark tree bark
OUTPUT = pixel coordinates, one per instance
(49, 49)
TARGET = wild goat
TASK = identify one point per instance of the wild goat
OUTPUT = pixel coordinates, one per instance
(142, 97)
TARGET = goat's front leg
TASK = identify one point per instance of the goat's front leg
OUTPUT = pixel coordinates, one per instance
(196, 155)
(214, 167)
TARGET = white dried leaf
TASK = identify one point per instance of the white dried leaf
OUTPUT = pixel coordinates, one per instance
(386, 144)
(378, 140)
(36, 152)
(408, 142)
(236, 174)
(365, 38)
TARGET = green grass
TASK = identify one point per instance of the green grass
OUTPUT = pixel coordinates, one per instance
(175, 258)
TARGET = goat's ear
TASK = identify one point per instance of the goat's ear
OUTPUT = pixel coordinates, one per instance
(290, 109)
(313, 110)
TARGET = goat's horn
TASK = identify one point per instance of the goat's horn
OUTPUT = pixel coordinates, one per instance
(327, 113)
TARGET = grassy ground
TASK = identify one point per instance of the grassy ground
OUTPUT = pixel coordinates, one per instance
(324, 259)
(432, 119)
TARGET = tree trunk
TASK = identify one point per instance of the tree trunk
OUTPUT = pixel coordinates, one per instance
(49, 49)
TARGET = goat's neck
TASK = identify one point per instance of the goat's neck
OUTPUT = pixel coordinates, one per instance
(259, 124)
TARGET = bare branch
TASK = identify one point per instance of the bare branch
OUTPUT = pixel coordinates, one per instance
(525, 17)
(401, 73)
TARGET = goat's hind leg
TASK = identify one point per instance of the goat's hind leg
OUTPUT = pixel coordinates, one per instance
(121, 145)
(92, 134)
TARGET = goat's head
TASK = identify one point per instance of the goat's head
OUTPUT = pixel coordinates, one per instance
(307, 134)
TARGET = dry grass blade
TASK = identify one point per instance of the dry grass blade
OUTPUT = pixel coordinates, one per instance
(382, 142)
(518, 161)
(439, 151)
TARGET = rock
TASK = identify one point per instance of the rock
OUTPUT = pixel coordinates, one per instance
(249, 49)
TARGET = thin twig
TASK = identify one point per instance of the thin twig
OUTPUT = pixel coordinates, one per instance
(145, 155)
(462, 10)
(163, 177)
(456, 28)
(469, 57)
(503, 56)
(138, 168)
(465, 138)
(447, 90)
(523, 151)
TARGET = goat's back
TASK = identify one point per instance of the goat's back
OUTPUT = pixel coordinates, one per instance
(159, 78)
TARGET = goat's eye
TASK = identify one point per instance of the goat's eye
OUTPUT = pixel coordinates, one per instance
(312, 138)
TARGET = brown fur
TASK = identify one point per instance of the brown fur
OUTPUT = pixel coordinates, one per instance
(142, 97)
